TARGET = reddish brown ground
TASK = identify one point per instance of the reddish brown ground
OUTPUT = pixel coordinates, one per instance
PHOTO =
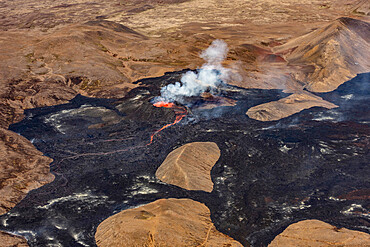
(165, 222)
(316, 233)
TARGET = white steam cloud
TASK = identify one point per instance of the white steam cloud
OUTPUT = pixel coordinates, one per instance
(207, 78)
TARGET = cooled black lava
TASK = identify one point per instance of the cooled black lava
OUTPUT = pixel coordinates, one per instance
(269, 175)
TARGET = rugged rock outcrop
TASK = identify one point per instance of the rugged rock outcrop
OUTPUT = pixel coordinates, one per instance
(165, 222)
(286, 107)
(7, 240)
(19, 95)
(23, 168)
(189, 166)
(316, 233)
(337, 53)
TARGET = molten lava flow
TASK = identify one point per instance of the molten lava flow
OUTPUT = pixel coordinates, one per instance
(180, 113)
(164, 104)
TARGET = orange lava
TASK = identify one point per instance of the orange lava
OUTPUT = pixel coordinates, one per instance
(164, 104)
(180, 113)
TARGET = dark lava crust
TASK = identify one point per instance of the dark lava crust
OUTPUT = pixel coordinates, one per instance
(312, 165)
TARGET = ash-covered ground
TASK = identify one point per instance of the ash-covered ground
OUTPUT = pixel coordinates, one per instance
(312, 165)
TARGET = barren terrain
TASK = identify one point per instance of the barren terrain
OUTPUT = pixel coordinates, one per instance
(52, 51)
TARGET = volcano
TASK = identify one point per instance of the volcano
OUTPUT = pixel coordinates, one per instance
(107, 139)
(268, 174)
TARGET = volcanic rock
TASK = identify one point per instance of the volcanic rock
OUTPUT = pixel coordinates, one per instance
(363, 194)
(23, 168)
(336, 52)
(7, 240)
(212, 101)
(286, 107)
(269, 175)
(189, 166)
(317, 233)
(165, 222)
(19, 95)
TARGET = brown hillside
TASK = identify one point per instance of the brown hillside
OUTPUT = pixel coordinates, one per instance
(336, 53)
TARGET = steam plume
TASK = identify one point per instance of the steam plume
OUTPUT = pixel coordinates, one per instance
(207, 78)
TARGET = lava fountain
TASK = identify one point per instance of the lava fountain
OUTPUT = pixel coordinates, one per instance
(180, 113)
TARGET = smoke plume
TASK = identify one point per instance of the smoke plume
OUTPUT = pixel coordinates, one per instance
(207, 78)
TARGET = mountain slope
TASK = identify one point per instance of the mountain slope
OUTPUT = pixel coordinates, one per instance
(336, 53)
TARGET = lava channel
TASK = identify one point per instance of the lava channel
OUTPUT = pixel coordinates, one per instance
(180, 113)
